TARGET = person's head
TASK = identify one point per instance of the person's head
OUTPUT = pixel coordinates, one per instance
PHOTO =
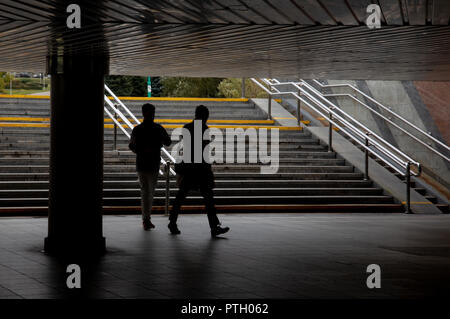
(148, 112)
(201, 113)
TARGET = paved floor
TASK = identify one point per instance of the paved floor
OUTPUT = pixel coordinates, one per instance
(263, 256)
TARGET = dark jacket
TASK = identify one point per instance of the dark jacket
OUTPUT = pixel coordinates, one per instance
(146, 141)
(195, 175)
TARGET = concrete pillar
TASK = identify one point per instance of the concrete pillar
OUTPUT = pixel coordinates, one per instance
(76, 154)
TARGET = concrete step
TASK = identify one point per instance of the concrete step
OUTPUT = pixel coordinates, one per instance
(45, 131)
(421, 191)
(269, 183)
(283, 147)
(216, 168)
(135, 105)
(40, 161)
(432, 199)
(226, 209)
(309, 176)
(290, 142)
(444, 208)
(238, 113)
(137, 108)
(220, 200)
(285, 161)
(135, 192)
(40, 146)
(219, 175)
(128, 154)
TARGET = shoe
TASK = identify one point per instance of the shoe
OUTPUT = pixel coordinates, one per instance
(174, 229)
(219, 230)
(147, 224)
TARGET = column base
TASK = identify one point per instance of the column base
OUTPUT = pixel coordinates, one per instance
(63, 247)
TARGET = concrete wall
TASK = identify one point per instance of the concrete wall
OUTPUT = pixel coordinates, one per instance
(425, 104)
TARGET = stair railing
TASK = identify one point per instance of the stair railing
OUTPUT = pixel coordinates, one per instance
(356, 131)
(387, 109)
(128, 127)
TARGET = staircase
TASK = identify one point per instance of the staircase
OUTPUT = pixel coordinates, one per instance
(419, 136)
(309, 179)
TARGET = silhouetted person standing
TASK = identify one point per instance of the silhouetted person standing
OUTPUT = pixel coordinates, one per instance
(196, 176)
(146, 141)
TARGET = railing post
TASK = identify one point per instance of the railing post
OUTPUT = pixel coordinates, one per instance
(115, 133)
(243, 88)
(366, 167)
(269, 109)
(166, 210)
(330, 135)
(408, 188)
(299, 114)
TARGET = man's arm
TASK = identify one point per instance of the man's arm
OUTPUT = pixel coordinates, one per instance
(132, 145)
(165, 137)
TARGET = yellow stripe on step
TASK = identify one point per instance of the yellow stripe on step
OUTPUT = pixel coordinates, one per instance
(27, 119)
(200, 99)
(216, 121)
(291, 118)
(11, 124)
(47, 119)
(419, 203)
(136, 98)
(281, 128)
(23, 96)
(170, 126)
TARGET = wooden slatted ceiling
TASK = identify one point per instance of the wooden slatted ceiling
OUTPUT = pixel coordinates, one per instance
(311, 38)
(323, 12)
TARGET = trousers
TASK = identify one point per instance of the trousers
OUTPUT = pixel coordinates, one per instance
(147, 181)
(205, 190)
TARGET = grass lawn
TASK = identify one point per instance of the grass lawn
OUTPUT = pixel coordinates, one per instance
(26, 86)
(19, 91)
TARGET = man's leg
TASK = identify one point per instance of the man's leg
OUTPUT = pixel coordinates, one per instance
(147, 180)
(145, 193)
(181, 195)
(208, 195)
(213, 220)
(152, 181)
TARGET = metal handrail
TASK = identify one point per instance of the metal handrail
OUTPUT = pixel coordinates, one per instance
(118, 112)
(171, 158)
(362, 126)
(274, 83)
(348, 125)
(121, 104)
(129, 124)
(167, 164)
(418, 129)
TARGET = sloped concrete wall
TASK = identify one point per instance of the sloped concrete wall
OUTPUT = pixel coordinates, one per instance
(425, 104)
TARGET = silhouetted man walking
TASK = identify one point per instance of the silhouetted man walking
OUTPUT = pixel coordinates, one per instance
(146, 141)
(196, 176)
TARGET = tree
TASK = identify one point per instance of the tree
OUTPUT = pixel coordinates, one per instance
(124, 85)
(156, 86)
(5, 77)
(2, 85)
(190, 87)
(232, 88)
